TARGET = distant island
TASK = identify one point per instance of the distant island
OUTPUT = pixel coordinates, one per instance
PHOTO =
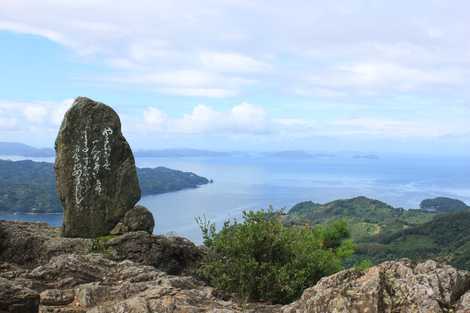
(15, 148)
(23, 150)
(29, 187)
(20, 149)
(179, 153)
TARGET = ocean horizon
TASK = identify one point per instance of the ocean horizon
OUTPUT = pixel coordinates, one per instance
(253, 183)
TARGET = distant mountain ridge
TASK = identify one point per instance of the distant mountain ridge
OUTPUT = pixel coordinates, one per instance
(14, 148)
(179, 153)
(28, 186)
(20, 149)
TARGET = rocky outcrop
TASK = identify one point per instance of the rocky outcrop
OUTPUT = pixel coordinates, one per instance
(137, 219)
(96, 174)
(15, 298)
(174, 255)
(130, 273)
(32, 244)
(92, 283)
(398, 286)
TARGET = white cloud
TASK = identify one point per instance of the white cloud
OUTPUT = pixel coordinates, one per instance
(23, 28)
(189, 83)
(232, 62)
(248, 119)
(154, 118)
(395, 128)
(378, 46)
(376, 76)
(32, 116)
(35, 113)
(244, 118)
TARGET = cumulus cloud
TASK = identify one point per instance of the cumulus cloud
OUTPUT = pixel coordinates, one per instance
(32, 116)
(251, 120)
(244, 118)
(334, 48)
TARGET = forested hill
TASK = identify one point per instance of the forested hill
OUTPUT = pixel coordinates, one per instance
(383, 232)
(365, 217)
(445, 238)
(28, 186)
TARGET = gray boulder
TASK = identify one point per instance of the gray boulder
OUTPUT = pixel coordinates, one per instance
(174, 255)
(393, 286)
(95, 168)
(137, 219)
(31, 244)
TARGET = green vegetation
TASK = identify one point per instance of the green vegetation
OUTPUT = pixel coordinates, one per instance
(443, 205)
(98, 245)
(446, 237)
(161, 179)
(27, 186)
(383, 232)
(365, 217)
(262, 259)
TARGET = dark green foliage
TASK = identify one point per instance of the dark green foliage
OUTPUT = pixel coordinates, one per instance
(366, 217)
(387, 233)
(443, 205)
(363, 265)
(162, 179)
(261, 259)
(446, 237)
(304, 207)
(27, 186)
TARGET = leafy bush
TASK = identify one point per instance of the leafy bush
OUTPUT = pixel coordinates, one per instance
(261, 259)
(363, 265)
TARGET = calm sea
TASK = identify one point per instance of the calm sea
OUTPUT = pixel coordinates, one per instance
(242, 183)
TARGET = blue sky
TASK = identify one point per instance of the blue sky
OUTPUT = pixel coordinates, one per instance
(375, 76)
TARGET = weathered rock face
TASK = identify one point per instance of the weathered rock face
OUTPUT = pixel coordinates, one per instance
(15, 298)
(402, 287)
(92, 283)
(137, 219)
(31, 244)
(174, 255)
(96, 174)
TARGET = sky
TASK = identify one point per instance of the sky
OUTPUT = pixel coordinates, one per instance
(377, 76)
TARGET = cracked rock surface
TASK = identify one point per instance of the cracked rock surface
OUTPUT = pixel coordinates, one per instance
(141, 273)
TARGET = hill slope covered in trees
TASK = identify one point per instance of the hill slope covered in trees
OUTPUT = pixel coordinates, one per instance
(28, 186)
(365, 217)
(383, 232)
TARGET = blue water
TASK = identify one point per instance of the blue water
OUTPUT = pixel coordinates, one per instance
(242, 183)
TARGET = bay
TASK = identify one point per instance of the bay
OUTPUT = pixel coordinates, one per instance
(259, 181)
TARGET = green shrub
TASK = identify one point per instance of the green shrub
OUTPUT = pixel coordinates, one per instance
(261, 259)
(363, 265)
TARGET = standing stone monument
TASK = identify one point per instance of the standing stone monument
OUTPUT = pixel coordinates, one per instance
(95, 169)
